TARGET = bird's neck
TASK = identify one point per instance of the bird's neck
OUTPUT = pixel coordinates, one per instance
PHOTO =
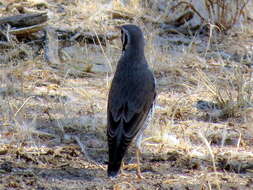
(134, 52)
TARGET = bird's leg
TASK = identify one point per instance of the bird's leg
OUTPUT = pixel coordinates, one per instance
(138, 152)
(122, 169)
(138, 172)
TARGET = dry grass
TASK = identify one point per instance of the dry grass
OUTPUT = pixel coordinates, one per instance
(43, 110)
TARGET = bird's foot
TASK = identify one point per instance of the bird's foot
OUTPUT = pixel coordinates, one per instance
(139, 176)
(122, 173)
(130, 167)
(134, 166)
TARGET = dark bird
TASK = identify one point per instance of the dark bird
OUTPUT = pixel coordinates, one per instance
(131, 99)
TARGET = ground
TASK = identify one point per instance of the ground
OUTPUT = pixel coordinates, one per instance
(53, 120)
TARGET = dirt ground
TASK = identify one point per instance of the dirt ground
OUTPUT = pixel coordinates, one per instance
(53, 120)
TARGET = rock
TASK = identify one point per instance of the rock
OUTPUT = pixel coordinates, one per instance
(79, 60)
(100, 68)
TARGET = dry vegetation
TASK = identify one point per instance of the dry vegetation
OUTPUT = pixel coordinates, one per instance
(53, 115)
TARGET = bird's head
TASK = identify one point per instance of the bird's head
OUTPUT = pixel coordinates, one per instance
(131, 36)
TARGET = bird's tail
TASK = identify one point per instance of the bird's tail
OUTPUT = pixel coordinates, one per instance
(113, 168)
(117, 148)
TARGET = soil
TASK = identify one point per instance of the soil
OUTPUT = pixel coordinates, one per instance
(53, 121)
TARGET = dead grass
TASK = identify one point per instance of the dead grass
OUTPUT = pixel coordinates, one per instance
(44, 109)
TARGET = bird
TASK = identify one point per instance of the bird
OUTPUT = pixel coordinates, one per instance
(130, 101)
(213, 110)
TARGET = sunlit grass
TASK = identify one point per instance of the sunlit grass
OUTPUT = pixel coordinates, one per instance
(42, 105)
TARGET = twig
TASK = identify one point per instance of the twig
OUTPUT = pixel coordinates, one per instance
(211, 153)
(23, 105)
(82, 146)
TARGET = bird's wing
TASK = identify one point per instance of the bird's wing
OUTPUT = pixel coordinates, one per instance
(129, 105)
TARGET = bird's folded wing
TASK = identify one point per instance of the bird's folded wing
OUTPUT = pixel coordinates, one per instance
(131, 125)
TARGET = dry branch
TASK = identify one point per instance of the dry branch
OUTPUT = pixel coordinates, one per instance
(28, 30)
(183, 18)
(91, 37)
(120, 14)
(22, 24)
(87, 37)
(24, 20)
(5, 44)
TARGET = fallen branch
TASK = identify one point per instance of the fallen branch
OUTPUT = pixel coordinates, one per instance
(86, 37)
(24, 20)
(119, 14)
(27, 30)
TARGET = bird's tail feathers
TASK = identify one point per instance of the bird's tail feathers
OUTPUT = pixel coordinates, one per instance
(117, 149)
